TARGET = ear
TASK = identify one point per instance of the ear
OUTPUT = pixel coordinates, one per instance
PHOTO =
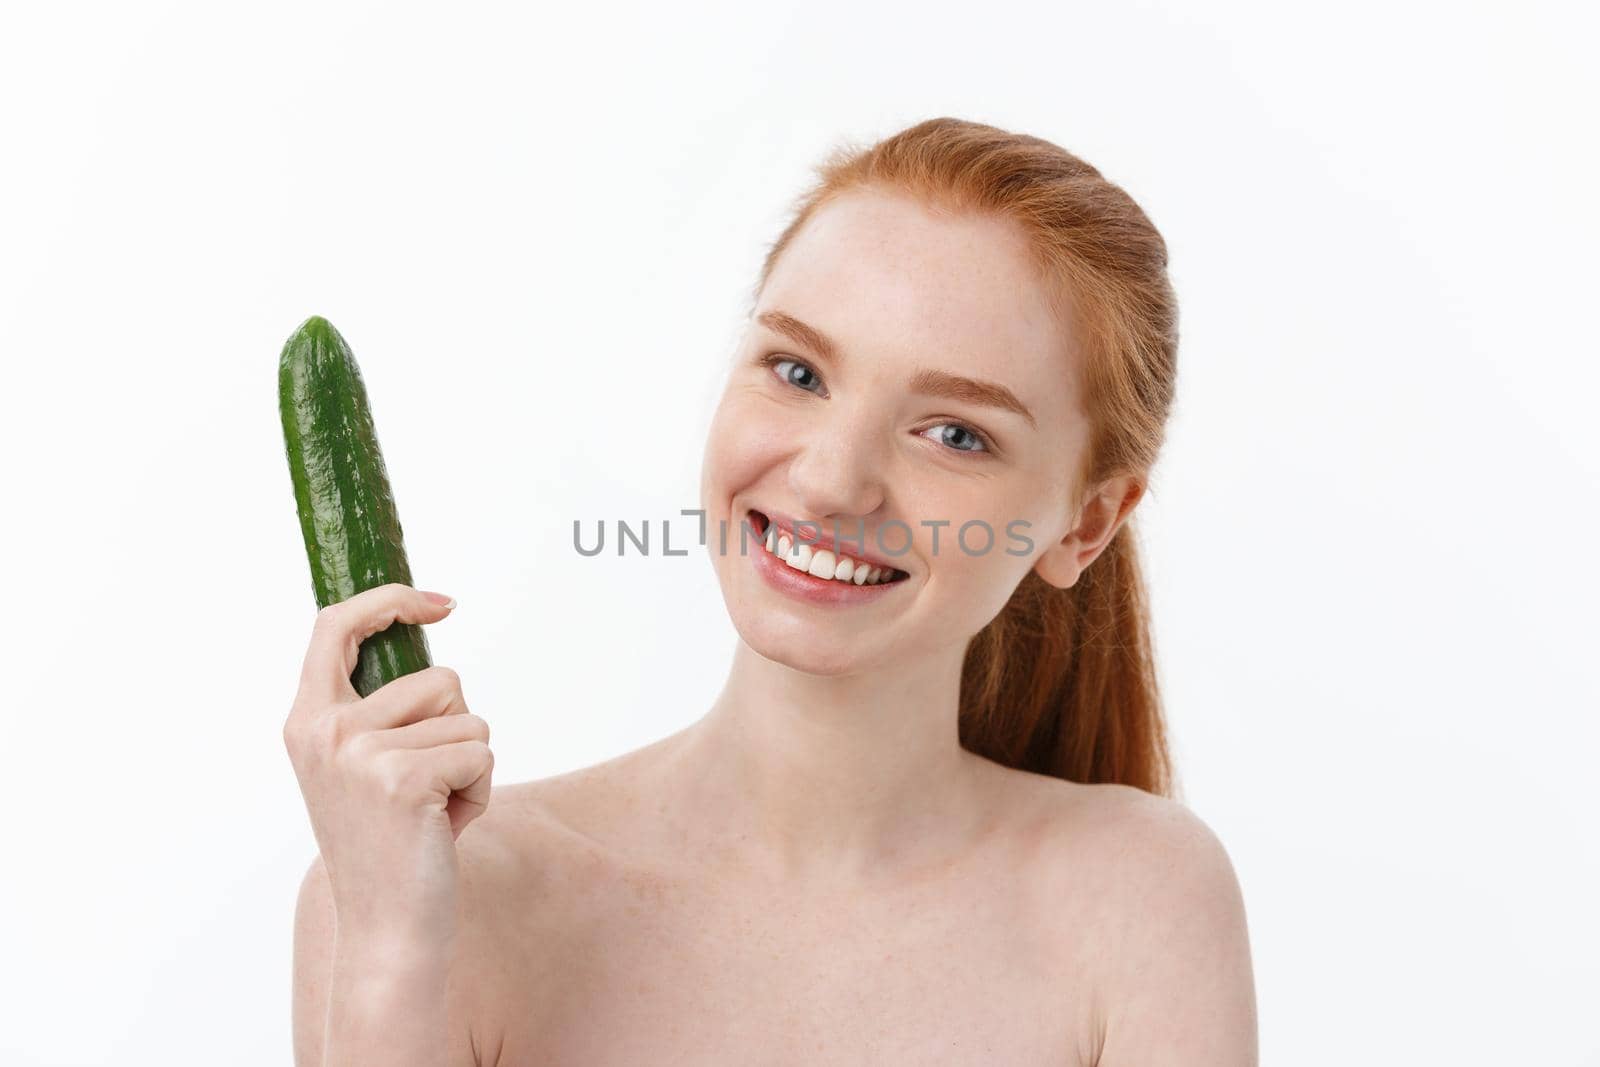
(1102, 516)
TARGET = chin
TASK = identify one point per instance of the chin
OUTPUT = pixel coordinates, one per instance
(812, 640)
(819, 656)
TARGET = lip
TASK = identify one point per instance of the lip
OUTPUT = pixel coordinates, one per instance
(786, 524)
(828, 592)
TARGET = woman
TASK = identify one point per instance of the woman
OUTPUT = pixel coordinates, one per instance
(925, 820)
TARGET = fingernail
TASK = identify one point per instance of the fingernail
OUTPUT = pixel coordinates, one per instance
(442, 599)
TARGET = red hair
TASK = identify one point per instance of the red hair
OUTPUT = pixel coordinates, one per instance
(1062, 681)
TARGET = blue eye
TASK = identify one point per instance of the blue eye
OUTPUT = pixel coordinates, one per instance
(795, 373)
(952, 435)
(959, 438)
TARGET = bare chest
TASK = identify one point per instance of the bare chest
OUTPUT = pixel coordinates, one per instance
(631, 968)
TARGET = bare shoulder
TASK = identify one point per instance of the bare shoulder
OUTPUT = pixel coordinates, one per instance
(1151, 848)
(1112, 838)
(1158, 915)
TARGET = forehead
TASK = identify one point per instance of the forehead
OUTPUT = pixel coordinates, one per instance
(890, 280)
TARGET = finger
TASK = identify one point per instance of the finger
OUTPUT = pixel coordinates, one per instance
(437, 731)
(340, 628)
(410, 698)
(472, 764)
(460, 767)
(463, 767)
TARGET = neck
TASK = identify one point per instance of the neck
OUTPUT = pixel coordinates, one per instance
(832, 776)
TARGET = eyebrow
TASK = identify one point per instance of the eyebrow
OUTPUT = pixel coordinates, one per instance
(926, 381)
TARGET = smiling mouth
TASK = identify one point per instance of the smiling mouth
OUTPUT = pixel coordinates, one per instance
(817, 559)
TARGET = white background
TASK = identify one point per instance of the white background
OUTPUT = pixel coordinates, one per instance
(1371, 541)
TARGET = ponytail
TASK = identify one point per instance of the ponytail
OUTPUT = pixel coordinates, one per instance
(1062, 681)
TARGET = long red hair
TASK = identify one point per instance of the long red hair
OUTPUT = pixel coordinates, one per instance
(1061, 682)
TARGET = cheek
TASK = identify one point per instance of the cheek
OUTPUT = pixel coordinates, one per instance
(743, 440)
(977, 557)
(982, 507)
(975, 575)
(976, 567)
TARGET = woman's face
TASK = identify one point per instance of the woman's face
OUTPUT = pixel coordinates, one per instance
(846, 407)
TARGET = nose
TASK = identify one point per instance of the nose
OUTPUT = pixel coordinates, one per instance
(839, 468)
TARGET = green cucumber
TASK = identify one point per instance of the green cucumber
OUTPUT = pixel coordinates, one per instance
(341, 488)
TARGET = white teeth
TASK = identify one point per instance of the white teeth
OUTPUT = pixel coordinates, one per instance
(822, 562)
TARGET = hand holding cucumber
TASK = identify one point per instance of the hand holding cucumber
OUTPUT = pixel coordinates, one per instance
(392, 764)
(390, 779)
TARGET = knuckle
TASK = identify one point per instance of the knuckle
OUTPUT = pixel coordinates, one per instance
(480, 727)
(329, 732)
(293, 733)
(443, 679)
(393, 778)
(359, 747)
(330, 728)
(302, 730)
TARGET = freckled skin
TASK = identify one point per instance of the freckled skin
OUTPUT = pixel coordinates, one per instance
(899, 289)
(815, 873)
(595, 937)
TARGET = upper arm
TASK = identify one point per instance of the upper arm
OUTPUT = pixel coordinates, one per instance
(314, 947)
(313, 962)
(1182, 990)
